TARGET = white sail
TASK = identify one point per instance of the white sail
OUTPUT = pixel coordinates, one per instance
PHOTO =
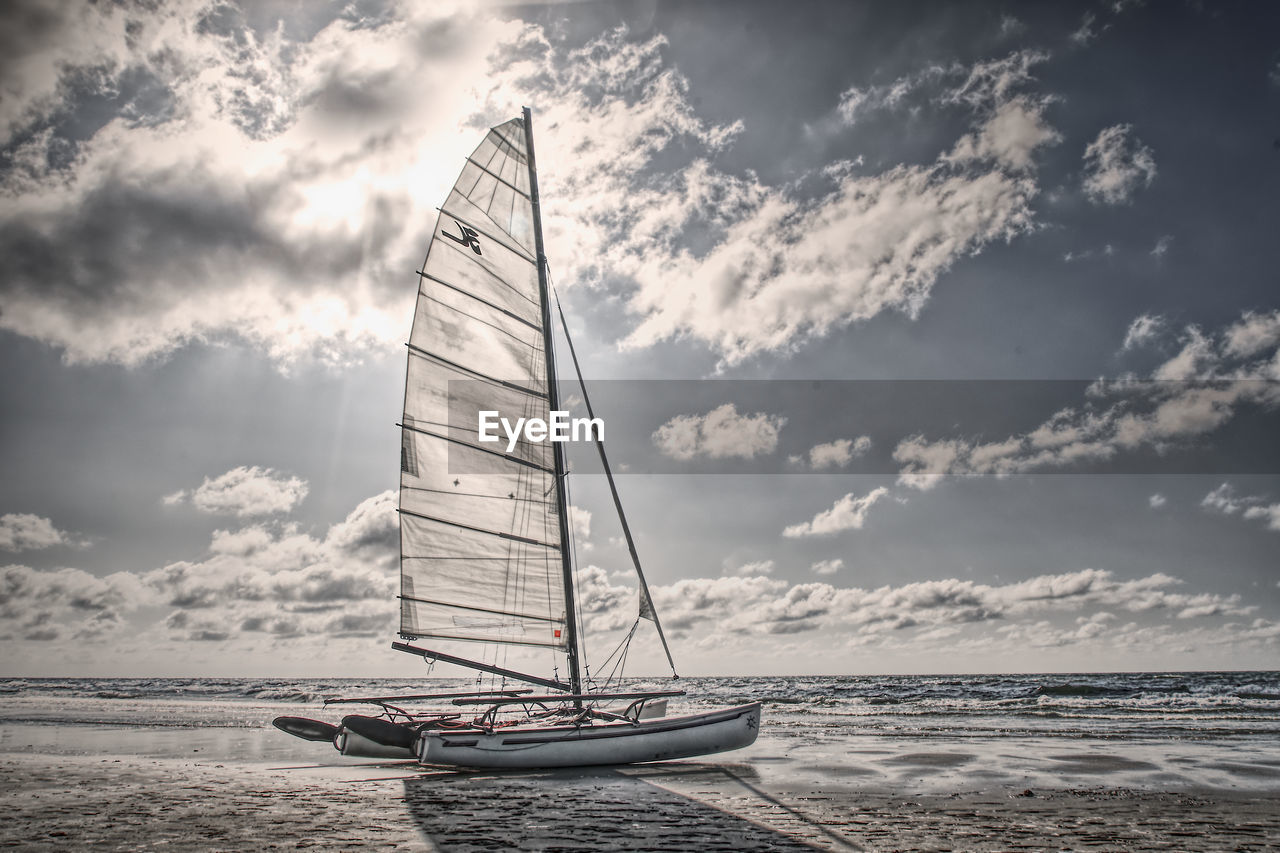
(479, 527)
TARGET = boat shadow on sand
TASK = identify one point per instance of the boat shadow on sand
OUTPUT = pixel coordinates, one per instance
(597, 809)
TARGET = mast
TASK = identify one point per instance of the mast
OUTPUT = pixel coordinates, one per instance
(553, 398)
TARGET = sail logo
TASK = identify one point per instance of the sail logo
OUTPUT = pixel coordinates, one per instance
(559, 427)
(470, 237)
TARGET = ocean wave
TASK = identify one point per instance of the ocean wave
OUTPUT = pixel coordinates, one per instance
(1080, 690)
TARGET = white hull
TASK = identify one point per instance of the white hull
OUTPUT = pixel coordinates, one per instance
(581, 746)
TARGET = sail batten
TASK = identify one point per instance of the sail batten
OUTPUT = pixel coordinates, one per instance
(480, 528)
(525, 539)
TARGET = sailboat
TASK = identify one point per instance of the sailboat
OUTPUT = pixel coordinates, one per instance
(486, 554)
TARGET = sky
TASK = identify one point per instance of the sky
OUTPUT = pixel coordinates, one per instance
(928, 337)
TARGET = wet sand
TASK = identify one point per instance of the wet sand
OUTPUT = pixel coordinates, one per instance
(178, 804)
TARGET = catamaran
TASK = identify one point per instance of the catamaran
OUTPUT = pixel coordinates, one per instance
(486, 554)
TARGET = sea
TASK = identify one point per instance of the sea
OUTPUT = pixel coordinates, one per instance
(1157, 729)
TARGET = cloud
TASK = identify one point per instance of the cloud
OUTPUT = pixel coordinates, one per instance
(857, 101)
(1010, 26)
(838, 453)
(242, 185)
(1085, 34)
(1010, 136)
(1253, 333)
(580, 527)
(1116, 165)
(827, 567)
(277, 580)
(1143, 330)
(728, 606)
(1196, 391)
(272, 190)
(274, 586)
(1224, 499)
(1157, 500)
(752, 569)
(244, 491)
(603, 605)
(1270, 514)
(721, 433)
(1161, 248)
(23, 531)
(848, 513)
(67, 603)
(784, 270)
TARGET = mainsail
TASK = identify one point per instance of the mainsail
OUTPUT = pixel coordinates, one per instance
(481, 529)
(484, 543)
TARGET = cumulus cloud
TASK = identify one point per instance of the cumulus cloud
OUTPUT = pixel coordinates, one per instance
(1254, 333)
(848, 513)
(244, 491)
(838, 453)
(1269, 514)
(277, 580)
(1157, 500)
(1194, 392)
(1224, 499)
(721, 433)
(257, 188)
(67, 603)
(1142, 331)
(751, 569)
(827, 567)
(274, 190)
(23, 531)
(763, 605)
(1116, 165)
(785, 269)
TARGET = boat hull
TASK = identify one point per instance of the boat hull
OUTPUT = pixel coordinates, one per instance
(585, 746)
(353, 743)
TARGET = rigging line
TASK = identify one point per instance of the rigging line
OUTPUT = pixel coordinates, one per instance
(510, 536)
(483, 233)
(498, 177)
(482, 300)
(613, 489)
(477, 374)
(467, 444)
(619, 666)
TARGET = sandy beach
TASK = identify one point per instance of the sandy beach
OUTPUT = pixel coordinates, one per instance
(60, 796)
